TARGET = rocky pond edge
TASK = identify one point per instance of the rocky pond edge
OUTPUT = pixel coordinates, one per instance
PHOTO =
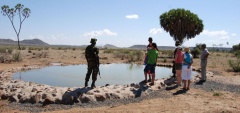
(29, 92)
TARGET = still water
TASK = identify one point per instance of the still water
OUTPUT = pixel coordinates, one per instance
(74, 75)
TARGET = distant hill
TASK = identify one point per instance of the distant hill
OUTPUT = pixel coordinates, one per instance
(109, 46)
(138, 47)
(23, 42)
(145, 47)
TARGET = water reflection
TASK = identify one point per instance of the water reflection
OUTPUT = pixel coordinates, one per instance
(74, 75)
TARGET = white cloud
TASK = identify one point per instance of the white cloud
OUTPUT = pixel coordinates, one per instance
(222, 34)
(215, 33)
(104, 32)
(234, 34)
(134, 16)
(154, 31)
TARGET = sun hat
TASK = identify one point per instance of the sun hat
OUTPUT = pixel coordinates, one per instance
(186, 49)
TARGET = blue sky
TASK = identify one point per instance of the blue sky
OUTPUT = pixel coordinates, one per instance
(122, 23)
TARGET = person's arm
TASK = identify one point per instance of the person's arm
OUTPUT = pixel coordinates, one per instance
(190, 63)
(176, 56)
(156, 60)
(206, 56)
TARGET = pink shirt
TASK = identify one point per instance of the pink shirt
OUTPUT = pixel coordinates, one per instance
(179, 56)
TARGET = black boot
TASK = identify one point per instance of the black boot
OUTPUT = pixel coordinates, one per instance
(93, 85)
(86, 83)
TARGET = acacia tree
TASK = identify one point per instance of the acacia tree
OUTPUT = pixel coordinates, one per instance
(17, 10)
(181, 24)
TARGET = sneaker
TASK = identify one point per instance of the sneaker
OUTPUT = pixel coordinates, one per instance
(144, 81)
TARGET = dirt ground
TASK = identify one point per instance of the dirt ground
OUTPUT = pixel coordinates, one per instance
(194, 101)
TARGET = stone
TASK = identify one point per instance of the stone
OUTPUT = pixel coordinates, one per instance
(100, 97)
(13, 98)
(87, 98)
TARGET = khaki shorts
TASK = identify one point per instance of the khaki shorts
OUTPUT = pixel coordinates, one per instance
(178, 66)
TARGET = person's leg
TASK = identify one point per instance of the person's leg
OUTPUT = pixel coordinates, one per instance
(146, 69)
(150, 78)
(179, 77)
(94, 76)
(174, 70)
(184, 84)
(145, 75)
(203, 69)
(152, 71)
(189, 73)
(184, 76)
(89, 72)
(153, 78)
(188, 86)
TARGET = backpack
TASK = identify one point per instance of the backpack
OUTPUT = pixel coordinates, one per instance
(187, 58)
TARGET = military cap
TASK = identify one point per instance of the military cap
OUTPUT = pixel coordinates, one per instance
(93, 40)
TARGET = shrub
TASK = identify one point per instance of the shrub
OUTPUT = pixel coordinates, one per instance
(217, 94)
(235, 64)
(23, 48)
(130, 57)
(108, 51)
(195, 52)
(17, 56)
(2, 50)
(237, 53)
(138, 54)
(9, 50)
(164, 60)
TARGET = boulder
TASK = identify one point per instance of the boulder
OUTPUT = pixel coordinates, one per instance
(87, 98)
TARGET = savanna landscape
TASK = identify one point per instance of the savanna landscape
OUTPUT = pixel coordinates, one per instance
(69, 26)
(195, 100)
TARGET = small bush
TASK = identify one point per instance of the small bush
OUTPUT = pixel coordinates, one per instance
(138, 54)
(9, 50)
(195, 52)
(130, 57)
(164, 60)
(217, 94)
(23, 48)
(2, 50)
(17, 56)
(235, 64)
(108, 51)
(237, 53)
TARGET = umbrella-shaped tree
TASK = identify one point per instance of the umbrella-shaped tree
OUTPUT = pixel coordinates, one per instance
(11, 12)
(181, 24)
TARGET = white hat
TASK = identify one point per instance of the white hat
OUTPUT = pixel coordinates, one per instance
(179, 47)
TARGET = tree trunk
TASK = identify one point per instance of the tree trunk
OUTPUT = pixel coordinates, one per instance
(18, 43)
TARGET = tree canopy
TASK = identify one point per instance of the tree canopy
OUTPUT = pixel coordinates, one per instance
(181, 24)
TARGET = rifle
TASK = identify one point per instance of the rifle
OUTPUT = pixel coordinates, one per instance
(97, 61)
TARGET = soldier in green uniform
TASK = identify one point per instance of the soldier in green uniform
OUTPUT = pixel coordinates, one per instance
(91, 55)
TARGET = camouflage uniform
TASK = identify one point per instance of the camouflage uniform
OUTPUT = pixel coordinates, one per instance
(91, 55)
